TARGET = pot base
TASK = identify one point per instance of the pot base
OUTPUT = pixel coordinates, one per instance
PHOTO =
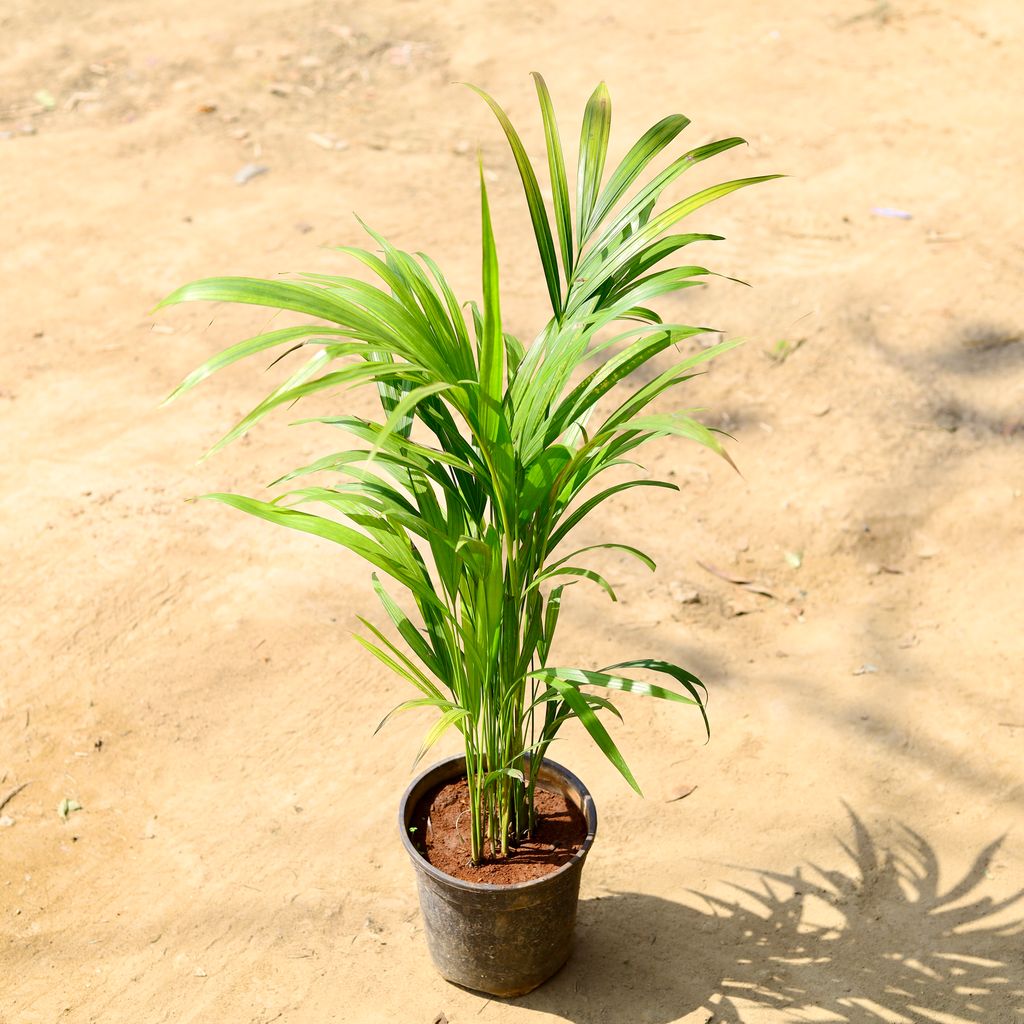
(513, 993)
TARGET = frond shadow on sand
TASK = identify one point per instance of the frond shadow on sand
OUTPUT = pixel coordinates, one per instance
(892, 948)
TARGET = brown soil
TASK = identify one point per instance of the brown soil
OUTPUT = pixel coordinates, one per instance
(442, 837)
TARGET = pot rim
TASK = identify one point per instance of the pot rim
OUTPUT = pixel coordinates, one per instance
(421, 863)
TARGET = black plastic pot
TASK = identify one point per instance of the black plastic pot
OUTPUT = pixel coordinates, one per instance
(504, 940)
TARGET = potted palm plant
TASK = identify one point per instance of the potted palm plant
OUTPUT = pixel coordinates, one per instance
(484, 461)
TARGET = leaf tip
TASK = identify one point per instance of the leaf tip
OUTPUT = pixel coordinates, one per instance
(728, 458)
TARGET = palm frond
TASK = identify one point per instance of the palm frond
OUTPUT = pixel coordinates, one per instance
(487, 453)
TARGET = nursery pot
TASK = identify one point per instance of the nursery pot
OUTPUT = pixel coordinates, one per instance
(504, 940)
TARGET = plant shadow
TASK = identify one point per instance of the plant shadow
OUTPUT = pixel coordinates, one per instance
(876, 940)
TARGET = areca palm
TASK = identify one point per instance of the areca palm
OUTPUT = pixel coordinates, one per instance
(468, 516)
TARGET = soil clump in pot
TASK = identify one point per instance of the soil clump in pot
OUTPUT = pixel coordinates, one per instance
(441, 823)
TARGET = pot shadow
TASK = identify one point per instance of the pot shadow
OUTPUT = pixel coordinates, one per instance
(895, 948)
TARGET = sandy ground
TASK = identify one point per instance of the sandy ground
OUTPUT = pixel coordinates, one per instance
(188, 675)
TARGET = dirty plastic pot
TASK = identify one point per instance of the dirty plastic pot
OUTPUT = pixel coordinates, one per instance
(504, 940)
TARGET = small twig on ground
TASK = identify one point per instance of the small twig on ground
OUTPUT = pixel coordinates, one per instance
(882, 12)
(740, 581)
(4, 801)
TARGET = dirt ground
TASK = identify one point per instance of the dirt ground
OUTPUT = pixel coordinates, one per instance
(188, 675)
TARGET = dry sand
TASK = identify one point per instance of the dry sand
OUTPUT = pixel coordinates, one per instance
(188, 674)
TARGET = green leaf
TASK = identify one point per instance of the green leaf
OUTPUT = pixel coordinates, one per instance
(300, 298)
(409, 705)
(653, 141)
(408, 402)
(562, 713)
(514, 352)
(635, 552)
(452, 303)
(591, 503)
(534, 200)
(410, 634)
(592, 388)
(554, 606)
(453, 716)
(260, 343)
(697, 690)
(299, 386)
(622, 253)
(492, 351)
(511, 773)
(540, 477)
(654, 253)
(637, 210)
(397, 660)
(477, 554)
(578, 702)
(370, 549)
(597, 119)
(641, 398)
(679, 425)
(585, 677)
(575, 570)
(556, 165)
(409, 452)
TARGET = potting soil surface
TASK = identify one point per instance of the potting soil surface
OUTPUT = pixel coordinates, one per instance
(443, 819)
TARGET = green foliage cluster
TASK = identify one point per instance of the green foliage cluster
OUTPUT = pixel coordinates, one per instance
(487, 453)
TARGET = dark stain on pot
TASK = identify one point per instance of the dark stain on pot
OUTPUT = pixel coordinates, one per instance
(441, 823)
